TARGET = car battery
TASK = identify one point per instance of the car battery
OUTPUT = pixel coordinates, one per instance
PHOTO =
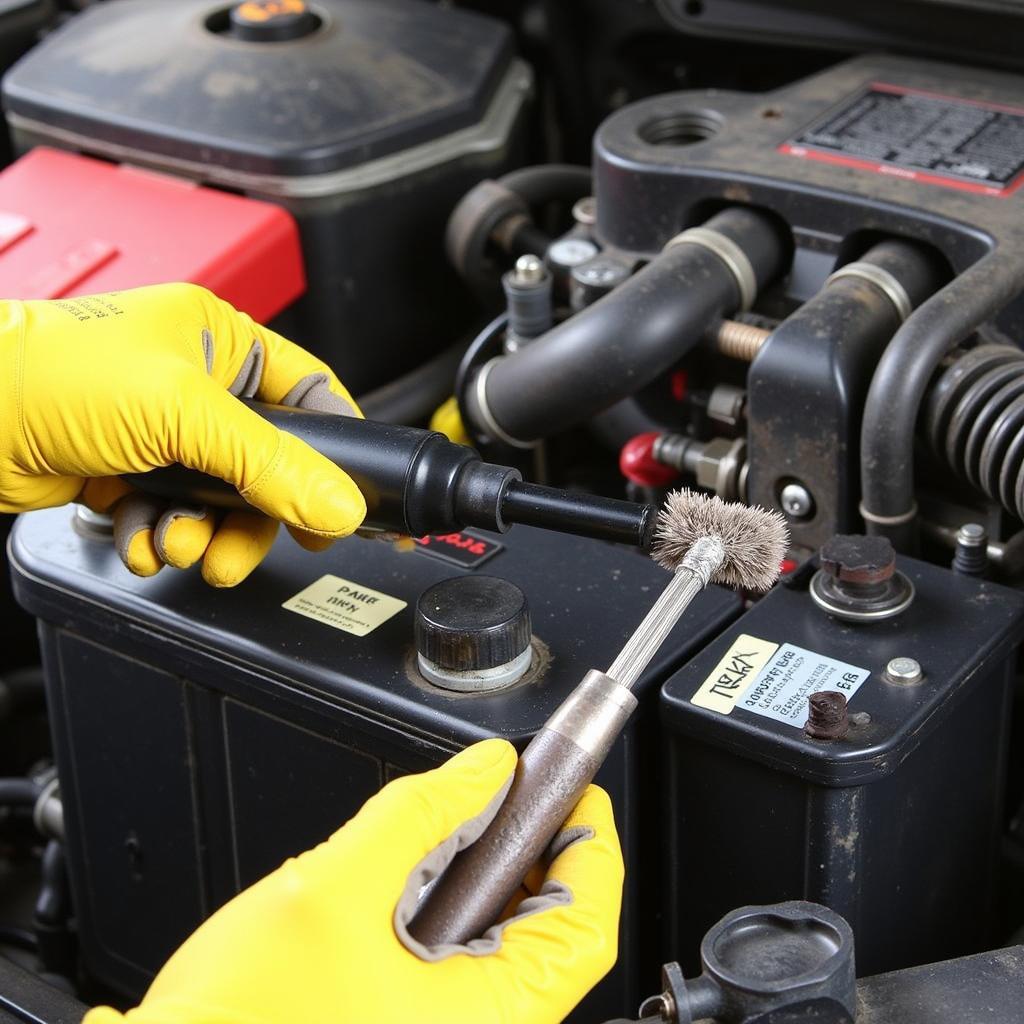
(895, 823)
(366, 121)
(71, 225)
(204, 736)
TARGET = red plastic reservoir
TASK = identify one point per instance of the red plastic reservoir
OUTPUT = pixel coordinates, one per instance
(71, 225)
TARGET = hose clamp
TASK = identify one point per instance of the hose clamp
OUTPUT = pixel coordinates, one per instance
(872, 517)
(888, 285)
(729, 253)
(48, 811)
(490, 423)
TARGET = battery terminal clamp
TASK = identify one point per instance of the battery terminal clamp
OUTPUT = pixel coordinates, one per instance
(858, 580)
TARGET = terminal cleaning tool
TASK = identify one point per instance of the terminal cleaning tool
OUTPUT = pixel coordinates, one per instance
(418, 482)
(702, 540)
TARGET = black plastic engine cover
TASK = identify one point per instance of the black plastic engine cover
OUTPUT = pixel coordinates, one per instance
(875, 147)
(368, 130)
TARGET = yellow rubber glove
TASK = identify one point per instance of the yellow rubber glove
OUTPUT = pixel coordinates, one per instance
(317, 942)
(447, 420)
(124, 382)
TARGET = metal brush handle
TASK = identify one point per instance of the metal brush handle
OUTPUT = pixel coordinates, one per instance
(554, 770)
(552, 773)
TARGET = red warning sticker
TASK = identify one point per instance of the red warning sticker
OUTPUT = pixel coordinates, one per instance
(465, 549)
(921, 136)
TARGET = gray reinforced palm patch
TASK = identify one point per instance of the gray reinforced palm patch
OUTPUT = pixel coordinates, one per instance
(552, 893)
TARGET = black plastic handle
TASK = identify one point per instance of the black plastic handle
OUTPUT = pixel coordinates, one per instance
(418, 482)
(413, 480)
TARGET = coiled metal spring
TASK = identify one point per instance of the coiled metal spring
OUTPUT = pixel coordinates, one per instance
(974, 421)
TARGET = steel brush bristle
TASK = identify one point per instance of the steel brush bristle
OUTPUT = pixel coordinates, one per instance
(755, 539)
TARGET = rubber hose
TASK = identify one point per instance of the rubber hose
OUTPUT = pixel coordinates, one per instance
(18, 793)
(53, 902)
(548, 183)
(901, 380)
(411, 398)
(613, 348)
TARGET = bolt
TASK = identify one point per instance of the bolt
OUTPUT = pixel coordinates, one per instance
(727, 405)
(796, 501)
(904, 671)
(529, 269)
(971, 557)
(739, 340)
(571, 252)
(584, 211)
(827, 717)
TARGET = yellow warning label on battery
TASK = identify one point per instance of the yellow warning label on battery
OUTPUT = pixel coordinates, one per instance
(734, 673)
(344, 605)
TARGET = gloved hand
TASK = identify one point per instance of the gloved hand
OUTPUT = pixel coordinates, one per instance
(317, 942)
(124, 382)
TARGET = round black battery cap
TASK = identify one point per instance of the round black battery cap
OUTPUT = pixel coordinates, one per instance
(272, 21)
(473, 633)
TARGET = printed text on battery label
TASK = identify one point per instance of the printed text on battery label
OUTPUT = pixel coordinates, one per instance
(783, 686)
(345, 605)
(774, 680)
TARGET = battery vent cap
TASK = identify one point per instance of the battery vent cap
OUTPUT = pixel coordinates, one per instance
(473, 633)
(272, 21)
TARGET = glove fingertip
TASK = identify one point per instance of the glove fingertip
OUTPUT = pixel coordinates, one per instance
(103, 1015)
(594, 810)
(336, 507)
(493, 756)
(239, 545)
(140, 555)
(307, 490)
(182, 537)
(456, 791)
(310, 541)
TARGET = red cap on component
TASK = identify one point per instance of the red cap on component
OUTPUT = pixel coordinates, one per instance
(637, 462)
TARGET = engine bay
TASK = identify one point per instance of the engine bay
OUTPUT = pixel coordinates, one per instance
(766, 251)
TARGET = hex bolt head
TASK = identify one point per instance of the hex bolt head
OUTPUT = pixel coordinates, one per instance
(796, 501)
(904, 671)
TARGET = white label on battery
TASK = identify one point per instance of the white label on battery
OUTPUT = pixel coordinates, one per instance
(344, 605)
(733, 675)
(781, 688)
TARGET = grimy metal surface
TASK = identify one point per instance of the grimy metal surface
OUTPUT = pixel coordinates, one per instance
(742, 159)
(647, 191)
(670, 161)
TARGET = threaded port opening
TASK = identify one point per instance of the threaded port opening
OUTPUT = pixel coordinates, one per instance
(684, 128)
